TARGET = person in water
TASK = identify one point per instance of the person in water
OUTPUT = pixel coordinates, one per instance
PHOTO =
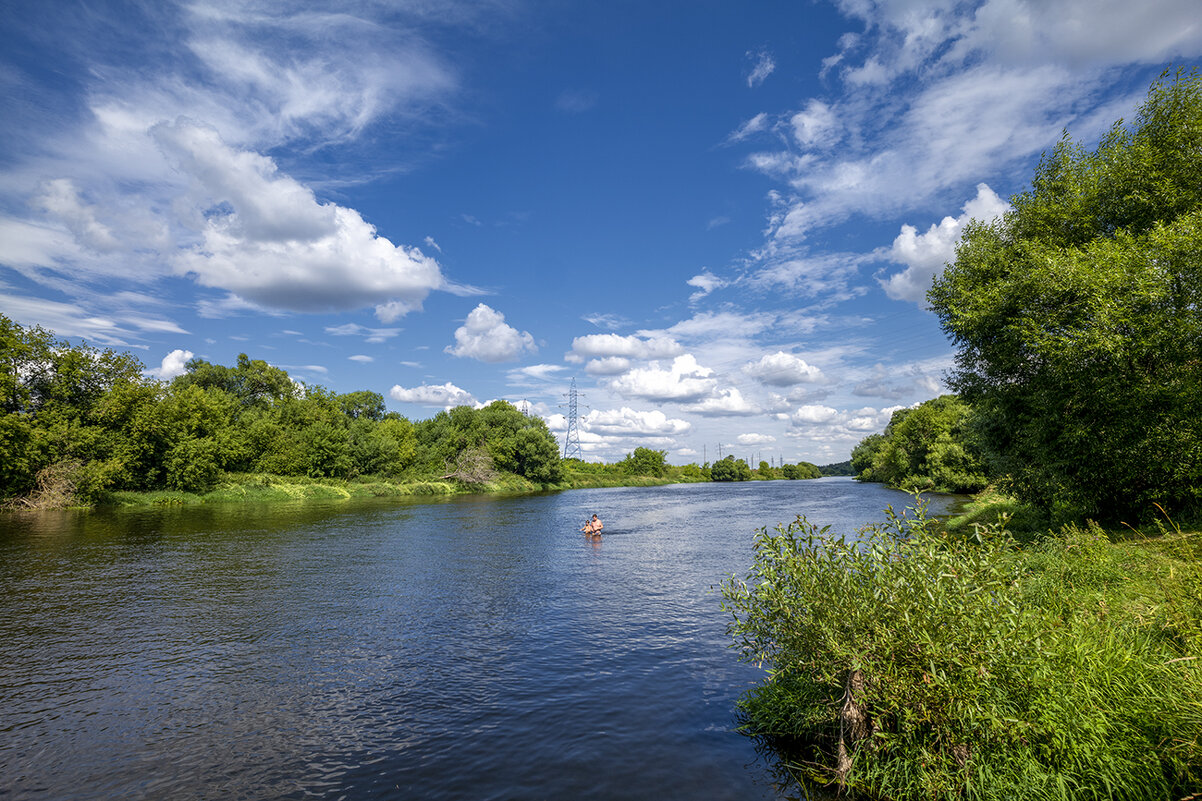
(592, 528)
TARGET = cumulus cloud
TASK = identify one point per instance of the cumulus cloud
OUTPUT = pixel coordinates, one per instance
(782, 369)
(602, 346)
(268, 239)
(755, 439)
(173, 365)
(445, 395)
(684, 380)
(627, 422)
(815, 414)
(486, 337)
(610, 365)
(925, 254)
(728, 402)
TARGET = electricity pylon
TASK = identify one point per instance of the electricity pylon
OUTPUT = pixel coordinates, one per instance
(571, 445)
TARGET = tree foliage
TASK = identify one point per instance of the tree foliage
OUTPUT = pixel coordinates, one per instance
(730, 469)
(1078, 319)
(932, 446)
(77, 423)
(645, 462)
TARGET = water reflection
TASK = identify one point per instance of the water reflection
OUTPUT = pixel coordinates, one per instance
(470, 647)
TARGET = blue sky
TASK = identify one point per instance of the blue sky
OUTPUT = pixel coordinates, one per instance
(719, 218)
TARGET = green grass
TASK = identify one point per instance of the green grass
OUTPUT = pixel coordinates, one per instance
(1066, 668)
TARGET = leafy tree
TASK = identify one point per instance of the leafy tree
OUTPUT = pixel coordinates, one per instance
(252, 382)
(730, 469)
(1078, 319)
(864, 454)
(362, 404)
(645, 462)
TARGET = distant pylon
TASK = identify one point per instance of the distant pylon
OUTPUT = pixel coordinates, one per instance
(571, 445)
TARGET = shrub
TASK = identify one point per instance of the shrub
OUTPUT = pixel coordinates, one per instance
(914, 664)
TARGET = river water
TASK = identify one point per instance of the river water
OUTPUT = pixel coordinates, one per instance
(465, 648)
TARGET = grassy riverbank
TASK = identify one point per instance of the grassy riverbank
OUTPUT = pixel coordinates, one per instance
(266, 488)
(937, 666)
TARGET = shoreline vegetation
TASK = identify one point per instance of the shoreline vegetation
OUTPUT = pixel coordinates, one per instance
(80, 427)
(1047, 642)
(267, 488)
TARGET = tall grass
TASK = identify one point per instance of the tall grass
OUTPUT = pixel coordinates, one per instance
(917, 664)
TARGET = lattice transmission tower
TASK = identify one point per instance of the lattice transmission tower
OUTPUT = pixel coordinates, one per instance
(571, 445)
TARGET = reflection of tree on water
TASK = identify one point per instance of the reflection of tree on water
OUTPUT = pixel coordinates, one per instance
(784, 759)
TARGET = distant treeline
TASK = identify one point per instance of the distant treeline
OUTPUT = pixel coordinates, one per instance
(82, 423)
(78, 424)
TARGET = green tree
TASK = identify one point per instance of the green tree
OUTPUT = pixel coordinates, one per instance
(929, 447)
(730, 469)
(252, 382)
(1078, 319)
(645, 462)
(864, 454)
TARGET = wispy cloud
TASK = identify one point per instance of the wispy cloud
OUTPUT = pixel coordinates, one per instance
(763, 66)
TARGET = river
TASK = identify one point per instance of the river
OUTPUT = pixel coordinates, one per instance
(464, 648)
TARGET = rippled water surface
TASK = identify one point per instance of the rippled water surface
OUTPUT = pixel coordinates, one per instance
(471, 648)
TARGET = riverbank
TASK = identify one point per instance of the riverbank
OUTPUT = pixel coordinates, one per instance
(1066, 665)
(266, 488)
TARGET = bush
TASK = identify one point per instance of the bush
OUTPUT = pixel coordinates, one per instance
(913, 664)
(192, 465)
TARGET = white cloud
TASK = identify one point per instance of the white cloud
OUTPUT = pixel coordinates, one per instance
(486, 337)
(683, 381)
(445, 395)
(536, 372)
(815, 414)
(269, 240)
(60, 199)
(610, 365)
(708, 325)
(362, 359)
(727, 402)
(757, 124)
(706, 283)
(764, 66)
(816, 125)
(925, 254)
(940, 95)
(601, 346)
(371, 335)
(173, 365)
(627, 422)
(755, 439)
(782, 369)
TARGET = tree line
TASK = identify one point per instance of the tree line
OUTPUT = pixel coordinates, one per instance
(79, 423)
(89, 422)
(1077, 319)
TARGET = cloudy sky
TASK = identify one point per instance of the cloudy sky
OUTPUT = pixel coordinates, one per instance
(719, 218)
